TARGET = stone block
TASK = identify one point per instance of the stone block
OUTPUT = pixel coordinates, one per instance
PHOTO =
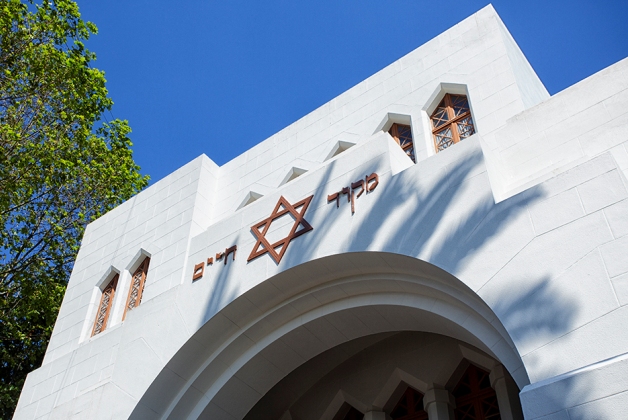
(617, 218)
(614, 255)
(602, 191)
(556, 211)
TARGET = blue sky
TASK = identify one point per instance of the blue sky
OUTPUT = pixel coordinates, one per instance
(218, 77)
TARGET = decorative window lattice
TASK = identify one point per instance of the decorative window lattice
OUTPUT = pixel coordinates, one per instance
(475, 399)
(104, 307)
(451, 121)
(137, 286)
(409, 407)
(403, 136)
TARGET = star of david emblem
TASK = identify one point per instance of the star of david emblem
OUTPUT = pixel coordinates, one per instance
(260, 230)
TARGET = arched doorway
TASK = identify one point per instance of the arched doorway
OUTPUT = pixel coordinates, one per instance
(240, 355)
(401, 374)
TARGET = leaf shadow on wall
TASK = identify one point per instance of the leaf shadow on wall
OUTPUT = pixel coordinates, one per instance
(407, 217)
(529, 311)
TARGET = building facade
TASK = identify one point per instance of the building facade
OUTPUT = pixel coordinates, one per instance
(444, 240)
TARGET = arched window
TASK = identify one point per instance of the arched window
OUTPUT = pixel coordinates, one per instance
(348, 412)
(475, 399)
(403, 136)
(353, 414)
(104, 307)
(409, 407)
(137, 286)
(451, 121)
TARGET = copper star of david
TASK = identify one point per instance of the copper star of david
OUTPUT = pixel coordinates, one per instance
(282, 208)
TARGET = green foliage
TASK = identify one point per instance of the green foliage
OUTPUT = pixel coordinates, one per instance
(57, 172)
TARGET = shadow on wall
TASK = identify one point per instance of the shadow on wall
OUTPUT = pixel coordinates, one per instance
(535, 311)
(548, 402)
(527, 312)
(428, 207)
(221, 295)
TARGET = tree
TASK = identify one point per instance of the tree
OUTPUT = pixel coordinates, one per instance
(60, 168)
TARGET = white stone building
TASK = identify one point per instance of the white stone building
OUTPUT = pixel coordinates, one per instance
(491, 276)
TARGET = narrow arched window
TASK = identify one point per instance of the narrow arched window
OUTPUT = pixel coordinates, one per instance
(104, 307)
(403, 136)
(137, 286)
(475, 399)
(451, 121)
(348, 412)
(409, 407)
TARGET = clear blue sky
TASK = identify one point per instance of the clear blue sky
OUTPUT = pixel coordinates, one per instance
(218, 77)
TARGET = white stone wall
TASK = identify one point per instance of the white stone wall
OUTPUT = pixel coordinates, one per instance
(549, 261)
(159, 221)
(478, 53)
(577, 124)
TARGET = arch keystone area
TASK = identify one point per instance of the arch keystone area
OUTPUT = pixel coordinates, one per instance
(291, 331)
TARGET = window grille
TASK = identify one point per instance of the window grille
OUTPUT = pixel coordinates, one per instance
(137, 286)
(451, 121)
(409, 407)
(104, 307)
(475, 399)
(403, 136)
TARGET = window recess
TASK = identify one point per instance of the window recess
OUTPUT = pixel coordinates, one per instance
(403, 136)
(475, 399)
(104, 307)
(137, 286)
(409, 407)
(451, 121)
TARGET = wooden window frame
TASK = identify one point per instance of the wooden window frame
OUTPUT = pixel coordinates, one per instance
(394, 132)
(407, 401)
(142, 271)
(452, 119)
(111, 285)
(477, 395)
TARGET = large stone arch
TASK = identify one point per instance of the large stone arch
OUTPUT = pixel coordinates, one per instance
(270, 330)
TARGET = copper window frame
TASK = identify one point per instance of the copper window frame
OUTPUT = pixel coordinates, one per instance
(142, 270)
(111, 285)
(451, 121)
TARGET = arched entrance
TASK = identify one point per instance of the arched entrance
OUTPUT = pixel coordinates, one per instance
(402, 375)
(244, 352)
